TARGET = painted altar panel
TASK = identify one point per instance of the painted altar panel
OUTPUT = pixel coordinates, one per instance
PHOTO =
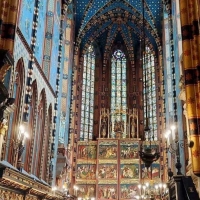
(108, 171)
(130, 171)
(86, 171)
(155, 167)
(129, 191)
(153, 171)
(85, 177)
(154, 146)
(86, 191)
(87, 152)
(108, 149)
(107, 192)
(129, 149)
(107, 166)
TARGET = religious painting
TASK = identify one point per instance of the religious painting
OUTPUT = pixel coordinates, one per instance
(108, 171)
(129, 150)
(153, 146)
(130, 171)
(108, 150)
(86, 171)
(151, 172)
(107, 192)
(87, 151)
(145, 173)
(86, 191)
(129, 191)
(155, 169)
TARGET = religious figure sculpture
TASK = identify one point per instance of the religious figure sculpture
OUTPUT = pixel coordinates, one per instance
(103, 133)
(104, 123)
(133, 128)
(119, 126)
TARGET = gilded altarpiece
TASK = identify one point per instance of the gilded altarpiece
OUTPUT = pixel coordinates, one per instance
(111, 169)
(108, 169)
(86, 169)
(129, 168)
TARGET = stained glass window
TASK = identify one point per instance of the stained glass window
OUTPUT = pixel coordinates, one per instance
(87, 108)
(149, 92)
(118, 90)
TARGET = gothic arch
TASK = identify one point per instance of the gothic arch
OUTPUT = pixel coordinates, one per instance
(16, 118)
(39, 134)
(32, 126)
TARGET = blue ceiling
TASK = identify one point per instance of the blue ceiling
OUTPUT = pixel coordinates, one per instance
(102, 20)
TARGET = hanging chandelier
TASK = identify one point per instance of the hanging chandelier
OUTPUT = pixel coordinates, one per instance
(147, 154)
(148, 157)
(150, 191)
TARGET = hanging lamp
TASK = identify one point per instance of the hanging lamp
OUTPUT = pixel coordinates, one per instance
(148, 155)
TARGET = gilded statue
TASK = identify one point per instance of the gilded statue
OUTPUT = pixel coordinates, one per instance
(103, 132)
(119, 126)
(133, 128)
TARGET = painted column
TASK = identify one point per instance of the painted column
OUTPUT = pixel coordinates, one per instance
(194, 16)
(190, 85)
(8, 19)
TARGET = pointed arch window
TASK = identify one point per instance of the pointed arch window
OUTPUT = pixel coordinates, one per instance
(118, 88)
(15, 118)
(29, 143)
(39, 136)
(149, 92)
(87, 107)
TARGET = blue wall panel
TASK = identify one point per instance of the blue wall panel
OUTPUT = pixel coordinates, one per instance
(41, 31)
(26, 19)
(54, 56)
(176, 39)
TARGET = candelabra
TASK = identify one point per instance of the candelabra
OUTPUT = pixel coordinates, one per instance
(152, 191)
(148, 154)
(84, 197)
(18, 146)
(173, 145)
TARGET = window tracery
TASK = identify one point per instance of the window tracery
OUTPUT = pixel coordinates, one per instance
(149, 92)
(87, 108)
(118, 90)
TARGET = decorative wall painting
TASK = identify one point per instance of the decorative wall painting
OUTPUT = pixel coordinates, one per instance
(129, 191)
(107, 192)
(108, 150)
(86, 171)
(155, 170)
(108, 171)
(87, 152)
(86, 191)
(152, 172)
(129, 150)
(153, 145)
(130, 171)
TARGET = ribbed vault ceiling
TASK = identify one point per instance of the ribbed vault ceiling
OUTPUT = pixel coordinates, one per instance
(108, 21)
